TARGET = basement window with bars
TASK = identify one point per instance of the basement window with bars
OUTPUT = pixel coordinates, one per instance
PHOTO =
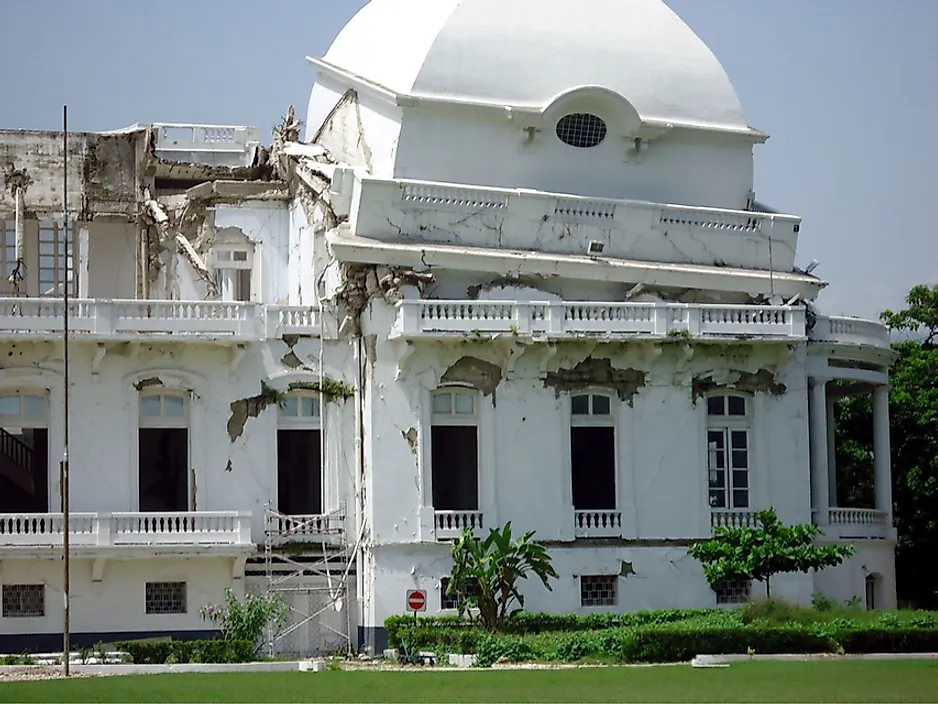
(166, 598)
(24, 600)
(598, 589)
(451, 602)
(733, 591)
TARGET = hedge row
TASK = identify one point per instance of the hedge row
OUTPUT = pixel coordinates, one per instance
(670, 642)
(524, 623)
(182, 651)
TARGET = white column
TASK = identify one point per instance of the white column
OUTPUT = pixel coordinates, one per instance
(882, 460)
(817, 414)
(831, 450)
(83, 271)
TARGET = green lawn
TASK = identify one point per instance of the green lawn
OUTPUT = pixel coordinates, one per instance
(842, 681)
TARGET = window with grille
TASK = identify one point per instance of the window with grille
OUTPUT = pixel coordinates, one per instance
(581, 130)
(23, 600)
(55, 260)
(598, 589)
(728, 451)
(733, 591)
(451, 602)
(166, 597)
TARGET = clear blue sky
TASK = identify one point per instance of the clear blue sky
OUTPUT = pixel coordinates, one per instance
(848, 89)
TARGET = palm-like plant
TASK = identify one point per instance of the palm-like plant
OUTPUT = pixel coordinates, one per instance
(490, 569)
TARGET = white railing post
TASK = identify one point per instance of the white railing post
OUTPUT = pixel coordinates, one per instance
(103, 529)
(661, 315)
(522, 318)
(244, 528)
(556, 315)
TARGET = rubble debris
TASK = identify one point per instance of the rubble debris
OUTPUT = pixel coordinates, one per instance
(597, 373)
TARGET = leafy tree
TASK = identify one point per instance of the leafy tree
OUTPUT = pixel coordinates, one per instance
(489, 570)
(765, 550)
(913, 409)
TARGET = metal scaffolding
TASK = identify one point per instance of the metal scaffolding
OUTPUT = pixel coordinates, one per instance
(308, 559)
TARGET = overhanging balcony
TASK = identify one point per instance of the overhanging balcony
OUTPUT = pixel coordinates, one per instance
(401, 210)
(840, 330)
(854, 524)
(42, 318)
(101, 531)
(427, 318)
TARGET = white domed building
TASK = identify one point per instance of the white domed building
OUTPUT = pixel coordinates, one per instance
(616, 349)
(514, 271)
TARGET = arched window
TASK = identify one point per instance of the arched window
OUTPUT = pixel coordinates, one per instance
(593, 452)
(872, 591)
(728, 451)
(24, 451)
(299, 465)
(234, 269)
(163, 451)
(454, 449)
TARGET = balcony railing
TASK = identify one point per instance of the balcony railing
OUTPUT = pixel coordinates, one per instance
(597, 524)
(732, 519)
(857, 523)
(477, 216)
(451, 524)
(103, 530)
(429, 318)
(850, 331)
(38, 318)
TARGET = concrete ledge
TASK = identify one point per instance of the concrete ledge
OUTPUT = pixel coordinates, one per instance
(724, 660)
(206, 668)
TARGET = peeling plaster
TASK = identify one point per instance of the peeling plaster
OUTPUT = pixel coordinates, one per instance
(410, 435)
(480, 375)
(147, 383)
(600, 373)
(250, 407)
(764, 381)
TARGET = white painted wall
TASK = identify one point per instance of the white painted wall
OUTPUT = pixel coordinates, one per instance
(494, 151)
(267, 225)
(848, 580)
(118, 602)
(104, 420)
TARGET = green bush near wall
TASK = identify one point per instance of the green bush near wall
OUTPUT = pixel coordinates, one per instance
(183, 651)
(673, 635)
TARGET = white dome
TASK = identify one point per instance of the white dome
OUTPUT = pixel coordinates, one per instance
(526, 53)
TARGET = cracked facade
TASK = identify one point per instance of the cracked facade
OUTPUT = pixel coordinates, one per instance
(581, 321)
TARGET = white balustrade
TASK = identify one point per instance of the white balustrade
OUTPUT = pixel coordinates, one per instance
(733, 519)
(427, 317)
(855, 523)
(850, 331)
(291, 320)
(597, 524)
(451, 524)
(437, 196)
(102, 530)
(130, 319)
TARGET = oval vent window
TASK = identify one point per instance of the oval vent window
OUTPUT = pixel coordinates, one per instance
(581, 130)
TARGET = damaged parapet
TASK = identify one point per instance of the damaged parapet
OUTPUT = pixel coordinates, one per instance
(211, 145)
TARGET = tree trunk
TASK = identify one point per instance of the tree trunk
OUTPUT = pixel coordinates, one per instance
(768, 588)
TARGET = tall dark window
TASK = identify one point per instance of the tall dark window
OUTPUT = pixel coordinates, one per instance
(24, 453)
(299, 466)
(454, 447)
(593, 452)
(163, 460)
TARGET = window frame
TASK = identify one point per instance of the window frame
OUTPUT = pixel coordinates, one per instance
(457, 420)
(163, 420)
(21, 420)
(594, 420)
(148, 585)
(733, 591)
(62, 241)
(301, 421)
(7, 248)
(453, 418)
(729, 425)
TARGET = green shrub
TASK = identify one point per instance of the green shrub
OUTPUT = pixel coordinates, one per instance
(492, 649)
(183, 651)
(889, 640)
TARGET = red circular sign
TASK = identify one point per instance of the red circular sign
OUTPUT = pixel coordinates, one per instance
(416, 601)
